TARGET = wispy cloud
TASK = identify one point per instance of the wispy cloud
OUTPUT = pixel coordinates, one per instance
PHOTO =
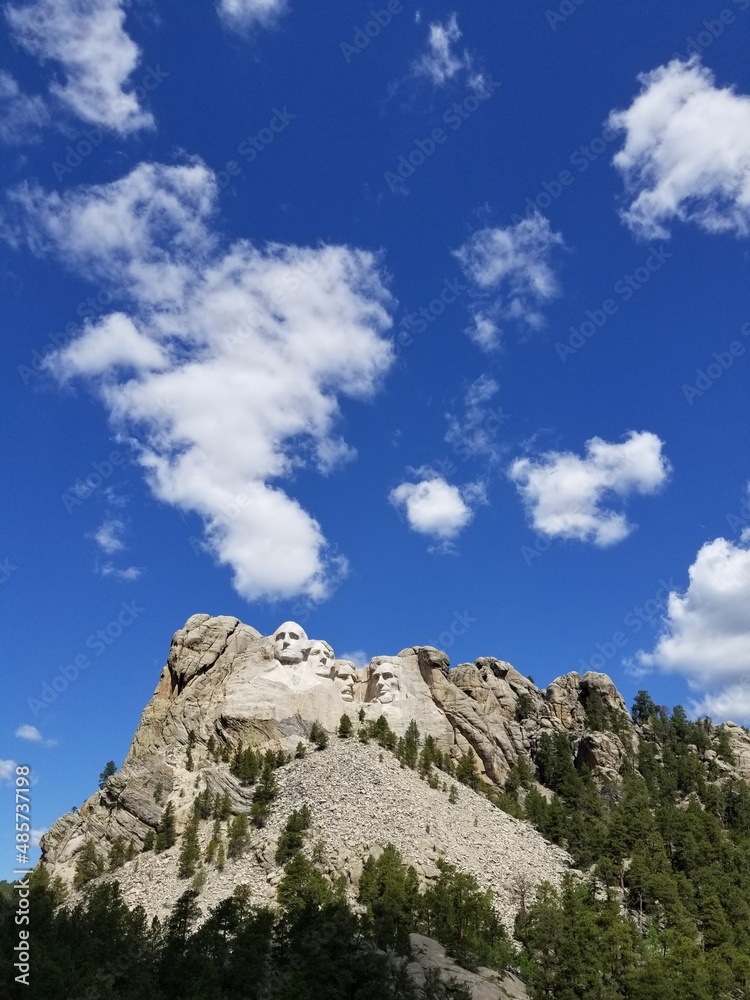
(22, 118)
(244, 15)
(97, 57)
(512, 272)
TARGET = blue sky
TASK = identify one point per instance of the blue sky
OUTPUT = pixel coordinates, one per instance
(427, 325)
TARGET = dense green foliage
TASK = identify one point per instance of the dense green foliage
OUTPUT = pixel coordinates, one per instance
(662, 913)
(667, 910)
(315, 947)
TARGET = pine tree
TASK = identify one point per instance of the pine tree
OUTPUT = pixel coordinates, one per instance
(213, 844)
(118, 853)
(453, 795)
(291, 838)
(466, 772)
(167, 835)
(149, 841)
(318, 736)
(222, 806)
(89, 865)
(410, 749)
(346, 728)
(190, 851)
(239, 837)
(110, 768)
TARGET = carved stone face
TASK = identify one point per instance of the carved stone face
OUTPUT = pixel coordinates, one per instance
(290, 643)
(346, 678)
(387, 683)
(320, 659)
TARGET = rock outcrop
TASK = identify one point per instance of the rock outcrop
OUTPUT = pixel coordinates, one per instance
(226, 685)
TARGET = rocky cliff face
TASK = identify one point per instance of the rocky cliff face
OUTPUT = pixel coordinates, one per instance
(225, 684)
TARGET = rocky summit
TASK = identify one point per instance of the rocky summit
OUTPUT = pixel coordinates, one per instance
(354, 747)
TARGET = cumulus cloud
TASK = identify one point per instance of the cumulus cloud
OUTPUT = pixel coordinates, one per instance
(21, 117)
(88, 39)
(473, 433)
(436, 507)
(566, 496)
(706, 631)
(513, 277)
(686, 155)
(237, 358)
(244, 15)
(30, 733)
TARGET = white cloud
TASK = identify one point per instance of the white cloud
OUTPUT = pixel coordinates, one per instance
(114, 342)
(21, 117)
(244, 15)
(565, 494)
(440, 63)
(36, 835)
(7, 771)
(30, 733)
(473, 434)
(109, 535)
(128, 575)
(251, 351)
(511, 270)
(687, 152)
(356, 656)
(435, 507)
(706, 631)
(88, 39)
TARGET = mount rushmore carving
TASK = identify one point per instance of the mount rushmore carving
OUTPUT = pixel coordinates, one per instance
(301, 663)
(288, 676)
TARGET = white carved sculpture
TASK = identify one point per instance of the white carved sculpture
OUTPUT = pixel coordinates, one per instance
(346, 679)
(320, 659)
(384, 683)
(290, 643)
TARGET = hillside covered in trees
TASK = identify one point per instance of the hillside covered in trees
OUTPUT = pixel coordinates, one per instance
(659, 909)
